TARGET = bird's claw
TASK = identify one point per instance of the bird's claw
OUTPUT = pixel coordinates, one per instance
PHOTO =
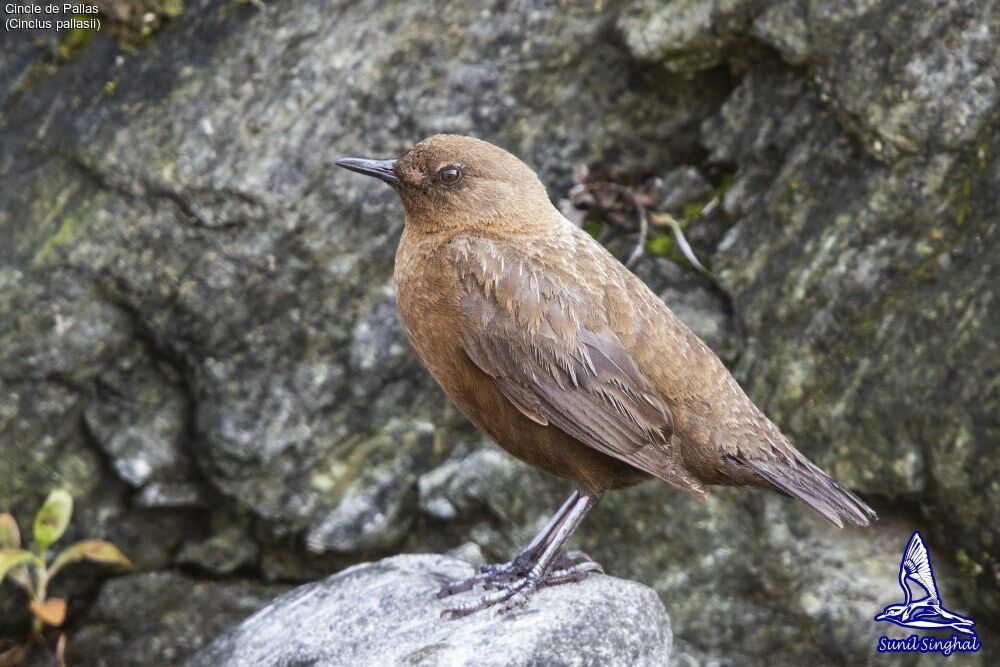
(504, 575)
(488, 576)
(512, 590)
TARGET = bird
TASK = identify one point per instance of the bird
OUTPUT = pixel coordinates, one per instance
(927, 612)
(566, 359)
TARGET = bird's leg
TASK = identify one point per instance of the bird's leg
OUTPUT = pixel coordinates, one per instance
(493, 574)
(514, 590)
(567, 567)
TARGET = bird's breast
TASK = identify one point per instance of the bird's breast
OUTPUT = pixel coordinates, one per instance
(427, 296)
(428, 293)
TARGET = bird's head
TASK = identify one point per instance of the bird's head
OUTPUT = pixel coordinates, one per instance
(451, 182)
(891, 612)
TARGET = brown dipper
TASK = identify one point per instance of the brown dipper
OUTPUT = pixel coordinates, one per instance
(565, 358)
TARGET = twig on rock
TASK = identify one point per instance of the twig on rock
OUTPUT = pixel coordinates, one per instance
(682, 242)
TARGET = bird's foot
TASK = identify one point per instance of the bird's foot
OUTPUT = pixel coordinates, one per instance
(514, 585)
(488, 576)
(501, 575)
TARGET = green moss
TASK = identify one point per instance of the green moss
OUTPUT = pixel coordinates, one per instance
(111, 85)
(663, 245)
(37, 73)
(867, 325)
(137, 30)
(593, 226)
(726, 183)
(940, 239)
(866, 322)
(125, 21)
(74, 41)
(817, 393)
(812, 74)
(963, 206)
(692, 211)
(967, 565)
(967, 178)
(659, 245)
(71, 44)
(68, 230)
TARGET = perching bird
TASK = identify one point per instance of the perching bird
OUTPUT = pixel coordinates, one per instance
(565, 358)
(926, 613)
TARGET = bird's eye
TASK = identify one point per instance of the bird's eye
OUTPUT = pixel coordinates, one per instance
(449, 174)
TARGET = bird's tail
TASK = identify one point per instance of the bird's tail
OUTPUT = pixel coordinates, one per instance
(800, 479)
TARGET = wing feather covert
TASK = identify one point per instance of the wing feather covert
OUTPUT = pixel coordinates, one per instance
(542, 337)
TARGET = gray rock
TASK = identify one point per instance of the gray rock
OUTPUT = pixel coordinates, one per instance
(387, 613)
(887, 304)
(686, 35)
(196, 311)
(224, 553)
(137, 417)
(490, 497)
(376, 510)
(161, 618)
(927, 77)
(682, 186)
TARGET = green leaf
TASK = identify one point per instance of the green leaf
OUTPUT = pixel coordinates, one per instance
(97, 551)
(11, 558)
(52, 519)
(10, 536)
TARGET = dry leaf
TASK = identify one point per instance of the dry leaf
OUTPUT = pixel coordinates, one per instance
(51, 612)
(97, 551)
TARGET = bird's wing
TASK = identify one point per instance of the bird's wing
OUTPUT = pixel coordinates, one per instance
(916, 565)
(538, 333)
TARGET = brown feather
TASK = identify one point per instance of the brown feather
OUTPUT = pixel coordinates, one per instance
(561, 354)
(576, 377)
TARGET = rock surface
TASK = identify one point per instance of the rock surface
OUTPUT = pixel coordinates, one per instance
(162, 618)
(198, 336)
(387, 613)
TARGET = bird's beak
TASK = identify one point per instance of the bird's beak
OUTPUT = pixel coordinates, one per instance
(880, 617)
(381, 169)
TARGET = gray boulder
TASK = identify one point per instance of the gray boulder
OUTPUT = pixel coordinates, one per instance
(682, 186)
(162, 618)
(386, 613)
(919, 74)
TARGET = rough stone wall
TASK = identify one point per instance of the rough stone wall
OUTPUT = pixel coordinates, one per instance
(198, 334)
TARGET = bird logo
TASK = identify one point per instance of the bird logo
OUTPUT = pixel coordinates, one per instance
(922, 608)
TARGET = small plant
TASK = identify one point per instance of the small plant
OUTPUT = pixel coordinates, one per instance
(32, 569)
